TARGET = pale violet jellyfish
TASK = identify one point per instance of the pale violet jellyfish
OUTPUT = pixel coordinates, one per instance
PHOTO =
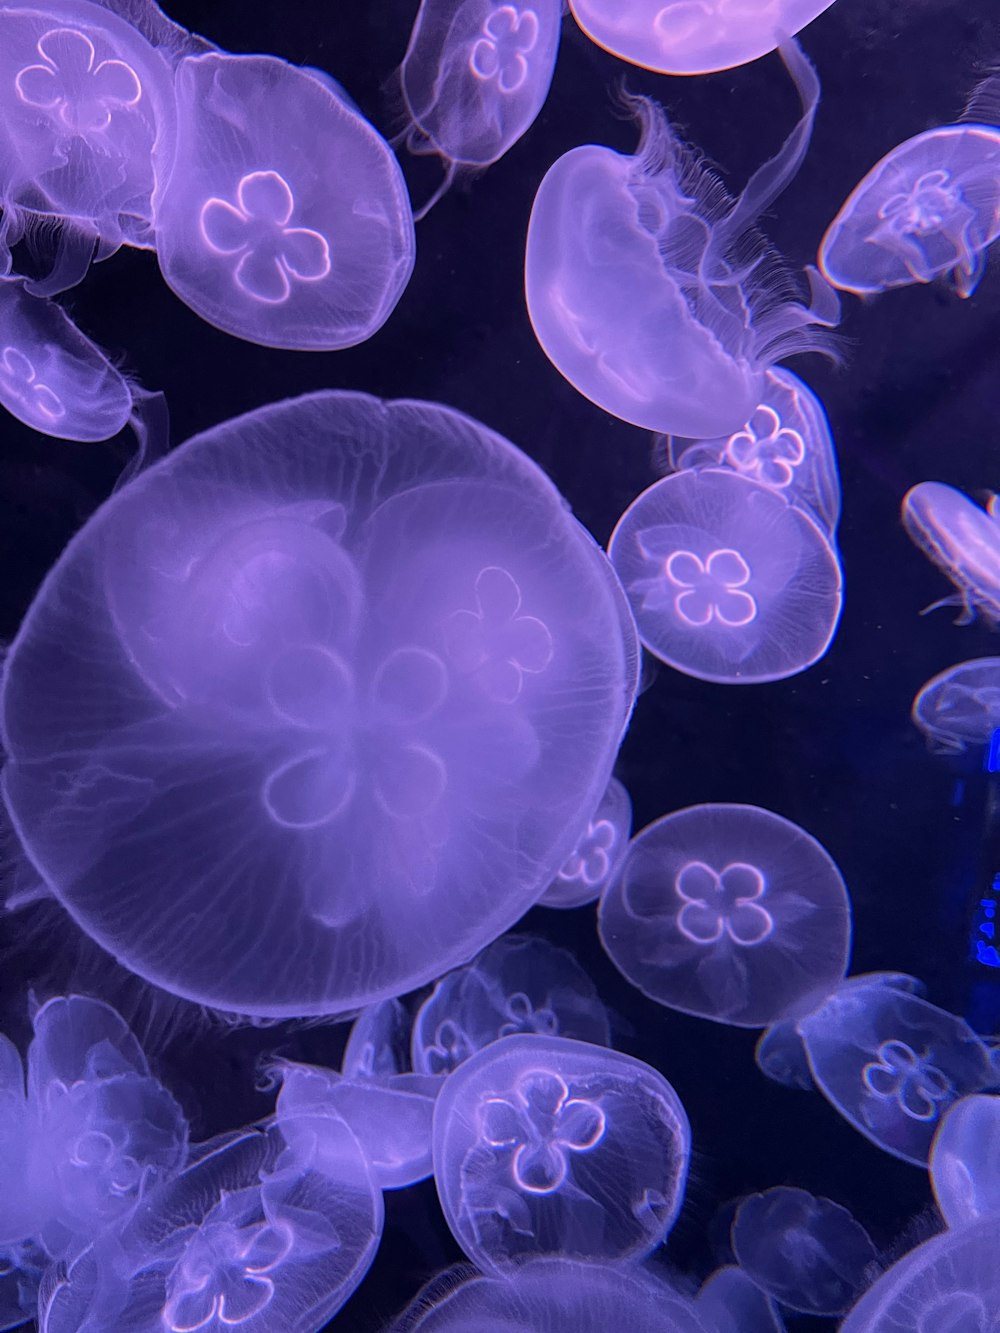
(892, 1063)
(351, 664)
(961, 706)
(653, 292)
(597, 855)
(785, 444)
(379, 1042)
(728, 912)
(518, 984)
(963, 541)
(807, 1253)
(475, 75)
(950, 1284)
(693, 36)
(781, 1057)
(728, 1302)
(283, 216)
(727, 580)
(545, 1147)
(965, 1160)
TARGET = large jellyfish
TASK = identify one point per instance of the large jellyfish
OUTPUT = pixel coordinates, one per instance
(546, 1147)
(316, 707)
(962, 540)
(960, 706)
(283, 216)
(693, 36)
(729, 912)
(965, 1160)
(653, 292)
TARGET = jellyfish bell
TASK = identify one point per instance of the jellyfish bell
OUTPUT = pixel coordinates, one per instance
(597, 855)
(965, 1160)
(962, 540)
(960, 707)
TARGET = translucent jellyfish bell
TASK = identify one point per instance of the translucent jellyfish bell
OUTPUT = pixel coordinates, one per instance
(729, 912)
(950, 1284)
(728, 1302)
(785, 444)
(598, 852)
(52, 377)
(547, 1147)
(965, 1160)
(379, 1042)
(962, 540)
(693, 36)
(728, 582)
(809, 1254)
(256, 232)
(518, 984)
(781, 1057)
(892, 1063)
(651, 290)
(352, 665)
(960, 706)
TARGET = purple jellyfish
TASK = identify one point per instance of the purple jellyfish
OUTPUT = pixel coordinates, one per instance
(597, 855)
(965, 1160)
(727, 580)
(545, 1147)
(963, 541)
(351, 665)
(651, 290)
(728, 1302)
(728, 912)
(960, 706)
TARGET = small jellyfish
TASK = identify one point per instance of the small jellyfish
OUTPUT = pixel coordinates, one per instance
(597, 855)
(963, 541)
(892, 1063)
(285, 667)
(379, 1042)
(651, 290)
(256, 231)
(807, 1253)
(475, 75)
(693, 36)
(728, 582)
(728, 912)
(518, 984)
(961, 706)
(781, 1057)
(965, 1160)
(728, 1302)
(546, 1147)
(785, 444)
(950, 1284)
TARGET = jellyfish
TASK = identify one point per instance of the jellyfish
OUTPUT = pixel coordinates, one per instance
(728, 1302)
(960, 707)
(475, 75)
(87, 122)
(254, 233)
(518, 984)
(554, 1294)
(22, 1267)
(379, 1042)
(785, 444)
(963, 541)
(597, 855)
(781, 1057)
(652, 291)
(807, 1253)
(547, 1147)
(965, 1160)
(892, 1063)
(950, 1284)
(728, 582)
(693, 36)
(315, 707)
(269, 1228)
(728, 912)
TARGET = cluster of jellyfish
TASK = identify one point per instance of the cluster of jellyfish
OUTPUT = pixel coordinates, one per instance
(311, 712)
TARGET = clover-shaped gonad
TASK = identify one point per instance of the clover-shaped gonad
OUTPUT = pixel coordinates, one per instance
(495, 644)
(20, 378)
(766, 449)
(711, 589)
(591, 861)
(722, 902)
(499, 53)
(69, 85)
(898, 1073)
(541, 1125)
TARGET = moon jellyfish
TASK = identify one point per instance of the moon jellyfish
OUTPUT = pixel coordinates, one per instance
(475, 75)
(785, 444)
(652, 291)
(728, 1302)
(555, 1294)
(892, 1063)
(693, 36)
(728, 582)
(728, 912)
(781, 1057)
(597, 855)
(950, 1284)
(379, 1042)
(962, 540)
(807, 1253)
(266, 1229)
(254, 233)
(52, 377)
(315, 707)
(961, 706)
(546, 1147)
(519, 984)
(965, 1160)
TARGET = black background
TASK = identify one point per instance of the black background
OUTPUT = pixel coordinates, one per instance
(918, 398)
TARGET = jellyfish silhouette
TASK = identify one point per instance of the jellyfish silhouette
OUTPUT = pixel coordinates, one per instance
(277, 737)
(963, 541)
(960, 706)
